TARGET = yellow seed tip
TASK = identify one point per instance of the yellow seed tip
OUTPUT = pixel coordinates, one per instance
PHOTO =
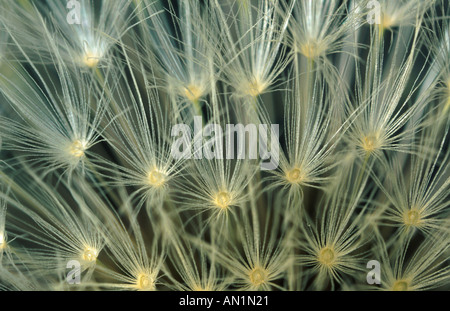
(192, 92)
(156, 178)
(222, 199)
(145, 282)
(387, 21)
(327, 256)
(258, 276)
(412, 217)
(89, 254)
(400, 285)
(312, 49)
(295, 175)
(255, 87)
(77, 148)
(91, 59)
(370, 143)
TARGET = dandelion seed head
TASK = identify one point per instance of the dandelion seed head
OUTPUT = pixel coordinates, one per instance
(145, 282)
(90, 254)
(348, 93)
(77, 148)
(258, 276)
(327, 256)
(223, 200)
(156, 178)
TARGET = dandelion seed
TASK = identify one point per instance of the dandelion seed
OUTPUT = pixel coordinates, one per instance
(21, 274)
(314, 30)
(194, 265)
(140, 136)
(139, 265)
(51, 222)
(418, 199)
(303, 163)
(264, 258)
(83, 45)
(438, 38)
(57, 124)
(401, 13)
(250, 62)
(332, 244)
(383, 112)
(183, 56)
(426, 268)
(221, 189)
